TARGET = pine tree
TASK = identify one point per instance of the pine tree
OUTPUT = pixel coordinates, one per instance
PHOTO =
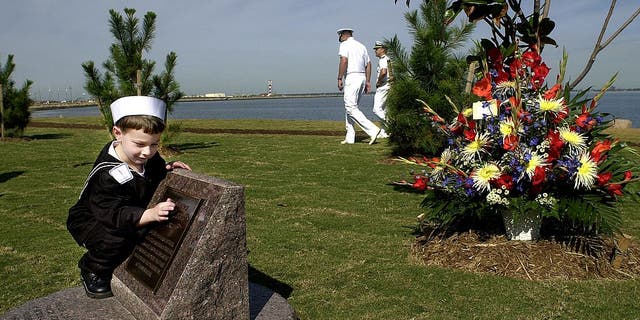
(127, 72)
(15, 112)
(430, 73)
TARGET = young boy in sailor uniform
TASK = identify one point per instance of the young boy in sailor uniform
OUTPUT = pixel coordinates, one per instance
(111, 214)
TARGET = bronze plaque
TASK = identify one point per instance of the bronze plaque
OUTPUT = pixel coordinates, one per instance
(151, 258)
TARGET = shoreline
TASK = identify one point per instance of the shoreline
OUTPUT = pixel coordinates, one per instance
(66, 105)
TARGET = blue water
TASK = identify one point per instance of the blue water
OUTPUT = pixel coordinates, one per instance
(621, 104)
(322, 108)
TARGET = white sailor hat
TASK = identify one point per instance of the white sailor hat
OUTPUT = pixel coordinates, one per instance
(136, 106)
(379, 44)
(340, 31)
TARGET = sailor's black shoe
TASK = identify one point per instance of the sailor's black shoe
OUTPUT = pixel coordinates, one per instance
(96, 287)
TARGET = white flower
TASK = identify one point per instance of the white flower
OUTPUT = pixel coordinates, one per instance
(553, 105)
(476, 147)
(574, 140)
(534, 162)
(546, 200)
(587, 172)
(483, 176)
(494, 197)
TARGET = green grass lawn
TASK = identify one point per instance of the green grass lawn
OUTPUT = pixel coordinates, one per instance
(321, 220)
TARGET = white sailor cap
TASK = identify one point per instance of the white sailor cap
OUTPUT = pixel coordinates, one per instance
(379, 44)
(341, 30)
(136, 106)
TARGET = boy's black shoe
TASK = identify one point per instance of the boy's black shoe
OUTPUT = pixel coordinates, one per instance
(95, 286)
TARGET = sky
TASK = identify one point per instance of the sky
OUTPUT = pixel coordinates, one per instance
(235, 46)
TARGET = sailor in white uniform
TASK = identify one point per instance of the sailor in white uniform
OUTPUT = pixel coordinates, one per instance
(382, 84)
(354, 76)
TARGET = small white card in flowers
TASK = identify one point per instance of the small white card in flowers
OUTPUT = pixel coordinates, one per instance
(485, 108)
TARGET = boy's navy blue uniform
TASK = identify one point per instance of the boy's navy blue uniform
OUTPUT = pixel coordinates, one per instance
(111, 204)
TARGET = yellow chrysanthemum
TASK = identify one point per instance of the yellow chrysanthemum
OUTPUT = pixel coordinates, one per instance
(553, 105)
(533, 163)
(467, 112)
(587, 172)
(475, 147)
(574, 140)
(506, 127)
(483, 176)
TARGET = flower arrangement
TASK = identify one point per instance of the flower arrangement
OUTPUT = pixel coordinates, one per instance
(527, 149)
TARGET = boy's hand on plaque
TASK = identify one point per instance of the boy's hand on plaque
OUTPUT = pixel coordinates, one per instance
(177, 164)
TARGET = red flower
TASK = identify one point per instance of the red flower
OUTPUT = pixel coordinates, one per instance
(461, 118)
(531, 58)
(470, 134)
(598, 153)
(536, 181)
(540, 72)
(516, 67)
(495, 56)
(510, 142)
(603, 178)
(628, 175)
(525, 116)
(501, 77)
(561, 115)
(555, 145)
(505, 180)
(553, 92)
(614, 189)
(458, 126)
(482, 88)
(420, 183)
(585, 121)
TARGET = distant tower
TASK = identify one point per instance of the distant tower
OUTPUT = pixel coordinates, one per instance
(269, 85)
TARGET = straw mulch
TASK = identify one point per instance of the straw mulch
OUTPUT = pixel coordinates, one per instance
(537, 260)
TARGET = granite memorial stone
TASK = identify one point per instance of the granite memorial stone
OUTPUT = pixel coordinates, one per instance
(195, 265)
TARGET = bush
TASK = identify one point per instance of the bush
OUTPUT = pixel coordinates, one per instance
(411, 130)
(15, 101)
(432, 72)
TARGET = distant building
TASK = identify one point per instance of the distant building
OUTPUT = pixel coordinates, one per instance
(215, 95)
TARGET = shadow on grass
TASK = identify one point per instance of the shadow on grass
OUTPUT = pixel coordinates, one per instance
(192, 146)
(405, 188)
(259, 277)
(82, 164)
(6, 176)
(49, 136)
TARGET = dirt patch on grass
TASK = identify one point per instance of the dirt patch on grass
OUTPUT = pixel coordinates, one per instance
(538, 260)
(14, 139)
(42, 124)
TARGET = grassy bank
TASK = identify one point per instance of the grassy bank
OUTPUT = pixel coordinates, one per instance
(320, 220)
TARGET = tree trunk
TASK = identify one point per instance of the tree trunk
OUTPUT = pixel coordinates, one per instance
(139, 81)
(1, 115)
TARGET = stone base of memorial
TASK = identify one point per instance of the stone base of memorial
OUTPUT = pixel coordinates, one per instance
(73, 304)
